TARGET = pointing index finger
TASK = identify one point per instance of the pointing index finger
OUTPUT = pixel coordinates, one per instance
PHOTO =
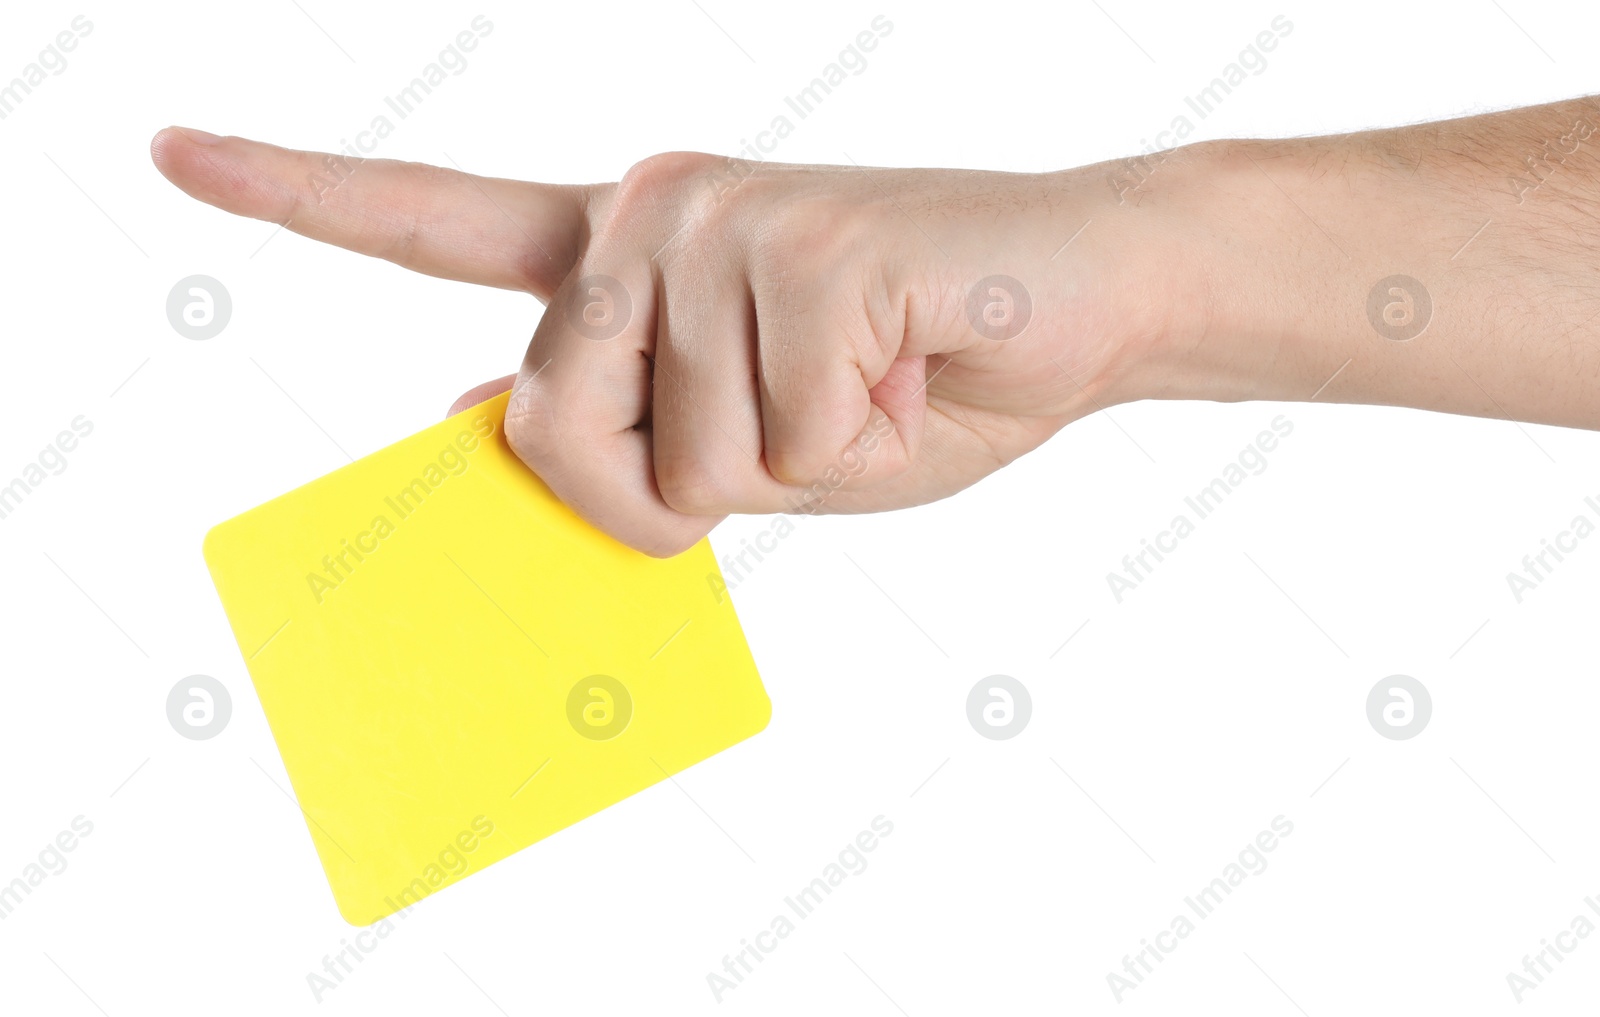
(442, 222)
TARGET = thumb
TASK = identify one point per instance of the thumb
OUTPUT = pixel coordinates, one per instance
(481, 393)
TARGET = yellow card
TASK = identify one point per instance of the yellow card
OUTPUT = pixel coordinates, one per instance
(454, 665)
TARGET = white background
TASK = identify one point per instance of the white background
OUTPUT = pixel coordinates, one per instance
(1224, 692)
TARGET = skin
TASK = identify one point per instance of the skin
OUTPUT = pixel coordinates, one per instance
(807, 337)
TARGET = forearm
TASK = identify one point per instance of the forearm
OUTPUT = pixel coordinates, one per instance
(1495, 220)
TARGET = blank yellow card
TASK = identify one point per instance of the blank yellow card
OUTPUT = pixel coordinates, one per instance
(454, 665)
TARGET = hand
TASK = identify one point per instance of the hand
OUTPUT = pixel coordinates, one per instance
(734, 337)
(726, 337)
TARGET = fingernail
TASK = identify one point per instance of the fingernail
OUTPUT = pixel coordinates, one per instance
(199, 137)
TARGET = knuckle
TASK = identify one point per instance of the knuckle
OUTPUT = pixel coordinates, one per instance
(531, 424)
(792, 466)
(659, 177)
(668, 167)
(819, 429)
(669, 545)
(870, 456)
(694, 188)
(693, 486)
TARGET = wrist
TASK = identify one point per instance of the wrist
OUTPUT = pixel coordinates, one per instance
(1323, 258)
(1245, 259)
(1420, 266)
